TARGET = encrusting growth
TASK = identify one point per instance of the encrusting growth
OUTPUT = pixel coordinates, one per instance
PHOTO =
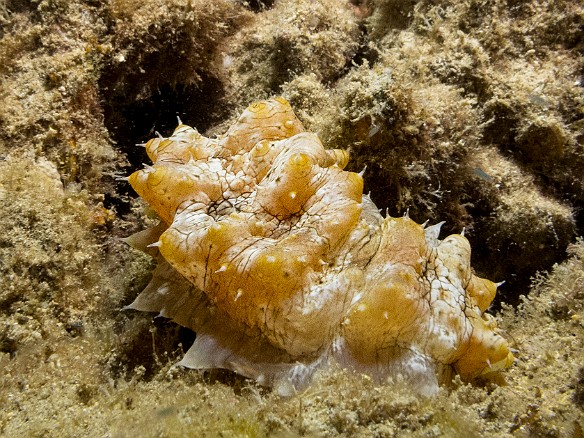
(271, 253)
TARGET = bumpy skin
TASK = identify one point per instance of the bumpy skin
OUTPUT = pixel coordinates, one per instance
(270, 252)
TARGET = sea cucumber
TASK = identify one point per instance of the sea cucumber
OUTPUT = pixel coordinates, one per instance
(270, 252)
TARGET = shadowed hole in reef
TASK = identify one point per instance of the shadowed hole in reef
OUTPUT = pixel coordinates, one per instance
(131, 120)
(151, 344)
(258, 5)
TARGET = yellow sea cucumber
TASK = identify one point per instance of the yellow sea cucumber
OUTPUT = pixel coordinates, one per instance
(271, 253)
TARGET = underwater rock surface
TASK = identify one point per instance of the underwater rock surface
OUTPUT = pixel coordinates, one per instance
(467, 112)
(271, 253)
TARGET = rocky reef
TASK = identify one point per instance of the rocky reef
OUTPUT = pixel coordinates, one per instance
(465, 112)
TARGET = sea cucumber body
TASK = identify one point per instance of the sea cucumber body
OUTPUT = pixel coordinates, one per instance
(269, 250)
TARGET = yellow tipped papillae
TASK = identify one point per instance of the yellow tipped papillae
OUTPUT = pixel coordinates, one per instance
(276, 259)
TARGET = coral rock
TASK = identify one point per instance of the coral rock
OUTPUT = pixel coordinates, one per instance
(271, 253)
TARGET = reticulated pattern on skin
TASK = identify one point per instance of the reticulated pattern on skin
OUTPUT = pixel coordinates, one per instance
(271, 253)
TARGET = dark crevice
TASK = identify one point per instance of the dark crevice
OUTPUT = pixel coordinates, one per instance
(132, 119)
(258, 5)
(151, 344)
(365, 53)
